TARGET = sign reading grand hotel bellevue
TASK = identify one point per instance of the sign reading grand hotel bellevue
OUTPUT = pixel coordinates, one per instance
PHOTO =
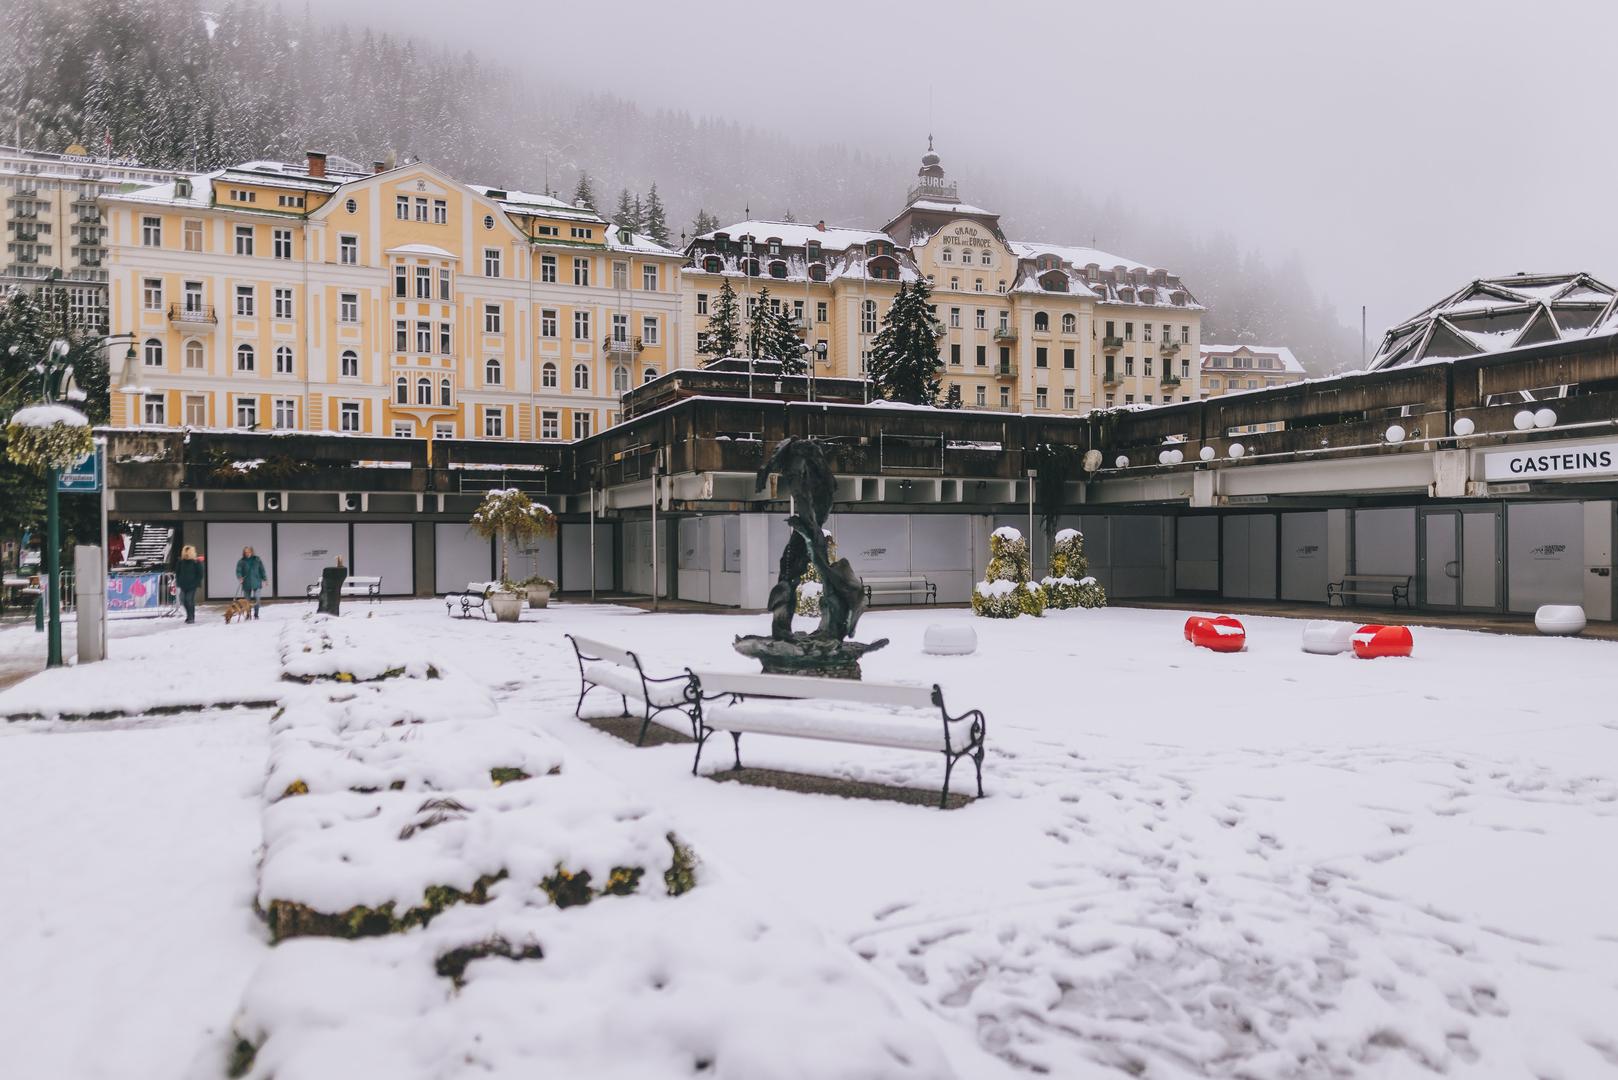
(1542, 461)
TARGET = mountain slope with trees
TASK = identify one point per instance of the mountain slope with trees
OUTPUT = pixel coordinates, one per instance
(172, 83)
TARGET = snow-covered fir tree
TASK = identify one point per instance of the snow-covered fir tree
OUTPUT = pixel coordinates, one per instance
(904, 354)
(654, 219)
(724, 325)
(703, 223)
(584, 192)
(627, 216)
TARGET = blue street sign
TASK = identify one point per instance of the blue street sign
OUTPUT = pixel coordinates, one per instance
(84, 476)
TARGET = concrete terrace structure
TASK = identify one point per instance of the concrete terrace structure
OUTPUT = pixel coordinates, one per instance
(1229, 369)
(1029, 326)
(1485, 514)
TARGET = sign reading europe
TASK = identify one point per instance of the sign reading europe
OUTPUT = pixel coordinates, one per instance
(83, 475)
(1546, 462)
(964, 236)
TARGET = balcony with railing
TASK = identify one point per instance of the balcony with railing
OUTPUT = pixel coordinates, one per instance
(200, 315)
(1168, 348)
(1005, 333)
(1112, 344)
(937, 190)
(1170, 379)
(1111, 377)
(1005, 369)
(617, 349)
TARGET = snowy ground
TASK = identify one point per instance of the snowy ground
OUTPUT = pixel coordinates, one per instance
(1259, 865)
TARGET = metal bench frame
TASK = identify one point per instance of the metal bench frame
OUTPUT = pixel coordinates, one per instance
(974, 747)
(1395, 591)
(468, 600)
(689, 705)
(917, 583)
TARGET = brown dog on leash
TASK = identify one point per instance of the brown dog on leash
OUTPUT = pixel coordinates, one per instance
(239, 608)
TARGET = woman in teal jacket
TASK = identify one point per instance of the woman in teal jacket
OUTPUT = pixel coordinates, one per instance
(250, 573)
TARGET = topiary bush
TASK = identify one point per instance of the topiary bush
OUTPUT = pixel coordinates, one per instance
(1006, 590)
(1070, 585)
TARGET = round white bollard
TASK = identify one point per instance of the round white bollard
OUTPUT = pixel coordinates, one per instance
(1325, 638)
(1559, 619)
(949, 639)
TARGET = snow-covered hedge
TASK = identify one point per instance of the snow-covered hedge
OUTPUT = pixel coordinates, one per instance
(1007, 591)
(320, 647)
(44, 437)
(1070, 585)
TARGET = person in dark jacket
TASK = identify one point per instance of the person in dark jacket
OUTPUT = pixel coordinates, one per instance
(331, 587)
(188, 578)
(251, 576)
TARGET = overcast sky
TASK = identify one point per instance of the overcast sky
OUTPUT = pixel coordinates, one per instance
(1399, 147)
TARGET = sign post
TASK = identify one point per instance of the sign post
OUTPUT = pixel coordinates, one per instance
(88, 476)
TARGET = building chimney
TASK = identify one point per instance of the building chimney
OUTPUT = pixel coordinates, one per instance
(317, 164)
(378, 166)
(820, 226)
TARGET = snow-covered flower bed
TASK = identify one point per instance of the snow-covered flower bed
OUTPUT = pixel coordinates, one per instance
(320, 647)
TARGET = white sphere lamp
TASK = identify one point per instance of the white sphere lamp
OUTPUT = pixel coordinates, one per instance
(1237, 450)
(1523, 420)
(1395, 434)
(1544, 418)
(1464, 426)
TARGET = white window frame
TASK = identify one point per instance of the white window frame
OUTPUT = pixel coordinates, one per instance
(348, 416)
(284, 414)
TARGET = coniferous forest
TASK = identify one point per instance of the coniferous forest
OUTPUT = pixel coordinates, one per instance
(174, 82)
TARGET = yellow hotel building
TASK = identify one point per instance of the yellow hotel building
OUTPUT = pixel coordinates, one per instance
(394, 301)
(1029, 326)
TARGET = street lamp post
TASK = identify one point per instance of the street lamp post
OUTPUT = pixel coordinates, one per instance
(819, 357)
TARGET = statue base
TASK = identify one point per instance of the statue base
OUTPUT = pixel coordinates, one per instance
(805, 654)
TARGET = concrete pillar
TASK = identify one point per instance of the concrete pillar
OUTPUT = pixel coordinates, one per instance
(1598, 563)
(425, 553)
(90, 602)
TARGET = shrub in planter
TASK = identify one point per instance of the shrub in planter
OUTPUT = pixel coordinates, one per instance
(510, 516)
(539, 590)
(1069, 585)
(1006, 591)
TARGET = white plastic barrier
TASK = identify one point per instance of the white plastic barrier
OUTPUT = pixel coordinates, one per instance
(1327, 638)
(949, 639)
(1559, 619)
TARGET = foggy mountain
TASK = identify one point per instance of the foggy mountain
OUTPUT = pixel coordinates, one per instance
(173, 83)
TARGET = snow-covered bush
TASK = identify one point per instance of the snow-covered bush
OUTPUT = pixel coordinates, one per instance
(1007, 591)
(42, 437)
(1069, 585)
(811, 588)
(508, 514)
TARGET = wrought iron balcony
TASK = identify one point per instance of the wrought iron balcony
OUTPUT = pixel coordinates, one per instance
(1006, 369)
(1170, 379)
(622, 350)
(1168, 348)
(1005, 333)
(193, 314)
(1112, 344)
(1111, 377)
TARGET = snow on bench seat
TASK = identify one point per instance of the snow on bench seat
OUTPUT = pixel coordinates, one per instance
(837, 710)
(627, 681)
(619, 671)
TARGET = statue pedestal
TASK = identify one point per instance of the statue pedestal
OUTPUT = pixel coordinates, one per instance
(805, 654)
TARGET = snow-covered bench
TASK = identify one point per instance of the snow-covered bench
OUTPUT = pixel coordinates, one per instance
(619, 671)
(475, 598)
(900, 585)
(354, 585)
(803, 707)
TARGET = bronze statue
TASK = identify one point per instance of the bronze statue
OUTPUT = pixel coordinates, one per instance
(808, 480)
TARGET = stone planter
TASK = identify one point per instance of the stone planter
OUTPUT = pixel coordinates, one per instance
(507, 606)
(539, 596)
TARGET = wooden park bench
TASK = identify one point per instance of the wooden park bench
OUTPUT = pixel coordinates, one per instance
(475, 598)
(1393, 588)
(803, 707)
(900, 585)
(619, 671)
(357, 585)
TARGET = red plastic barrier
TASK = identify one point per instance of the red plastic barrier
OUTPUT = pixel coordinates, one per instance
(1221, 634)
(1371, 642)
(1191, 624)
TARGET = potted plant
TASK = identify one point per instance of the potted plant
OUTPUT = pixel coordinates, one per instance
(511, 516)
(539, 590)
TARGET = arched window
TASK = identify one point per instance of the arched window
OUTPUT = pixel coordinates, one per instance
(194, 357)
(244, 358)
(424, 391)
(620, 379)
(983, 257)
(651, 373)
(581, 376)
(401, 390)
(1042, 322)
(491, 372)
(750, 267)
(153, 352)
(778, 269)
(547, 376)
(443, 392)
(947, 255)
(1069, 323)
(868, 318)
(351, 364)
(283, 360)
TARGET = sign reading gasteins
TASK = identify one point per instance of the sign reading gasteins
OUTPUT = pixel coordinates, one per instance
(1543, 462)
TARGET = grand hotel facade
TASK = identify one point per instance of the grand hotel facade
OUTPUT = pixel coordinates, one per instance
(401, 301)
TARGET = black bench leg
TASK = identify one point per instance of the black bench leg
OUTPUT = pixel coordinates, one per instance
(977, 759)
(644, 724)
(949, 767)
(702, 739)
(625, 700)
(736, 739)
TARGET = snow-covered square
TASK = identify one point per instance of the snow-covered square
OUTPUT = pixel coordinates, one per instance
(1259, 864)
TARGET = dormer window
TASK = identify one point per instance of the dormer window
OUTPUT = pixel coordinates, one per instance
(713, 264)
(817, 272)
(775, 246)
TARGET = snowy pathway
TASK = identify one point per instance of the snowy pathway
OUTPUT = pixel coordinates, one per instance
(126, 926)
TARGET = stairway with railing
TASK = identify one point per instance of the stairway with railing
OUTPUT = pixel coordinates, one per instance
(153, 547)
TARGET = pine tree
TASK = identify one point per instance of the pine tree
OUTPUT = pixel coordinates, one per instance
(584, 193)
(627, 216)
(704, 224)
(788, 215)
(770, 336)
(655, 222)
(724, 325)
(904, 354)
